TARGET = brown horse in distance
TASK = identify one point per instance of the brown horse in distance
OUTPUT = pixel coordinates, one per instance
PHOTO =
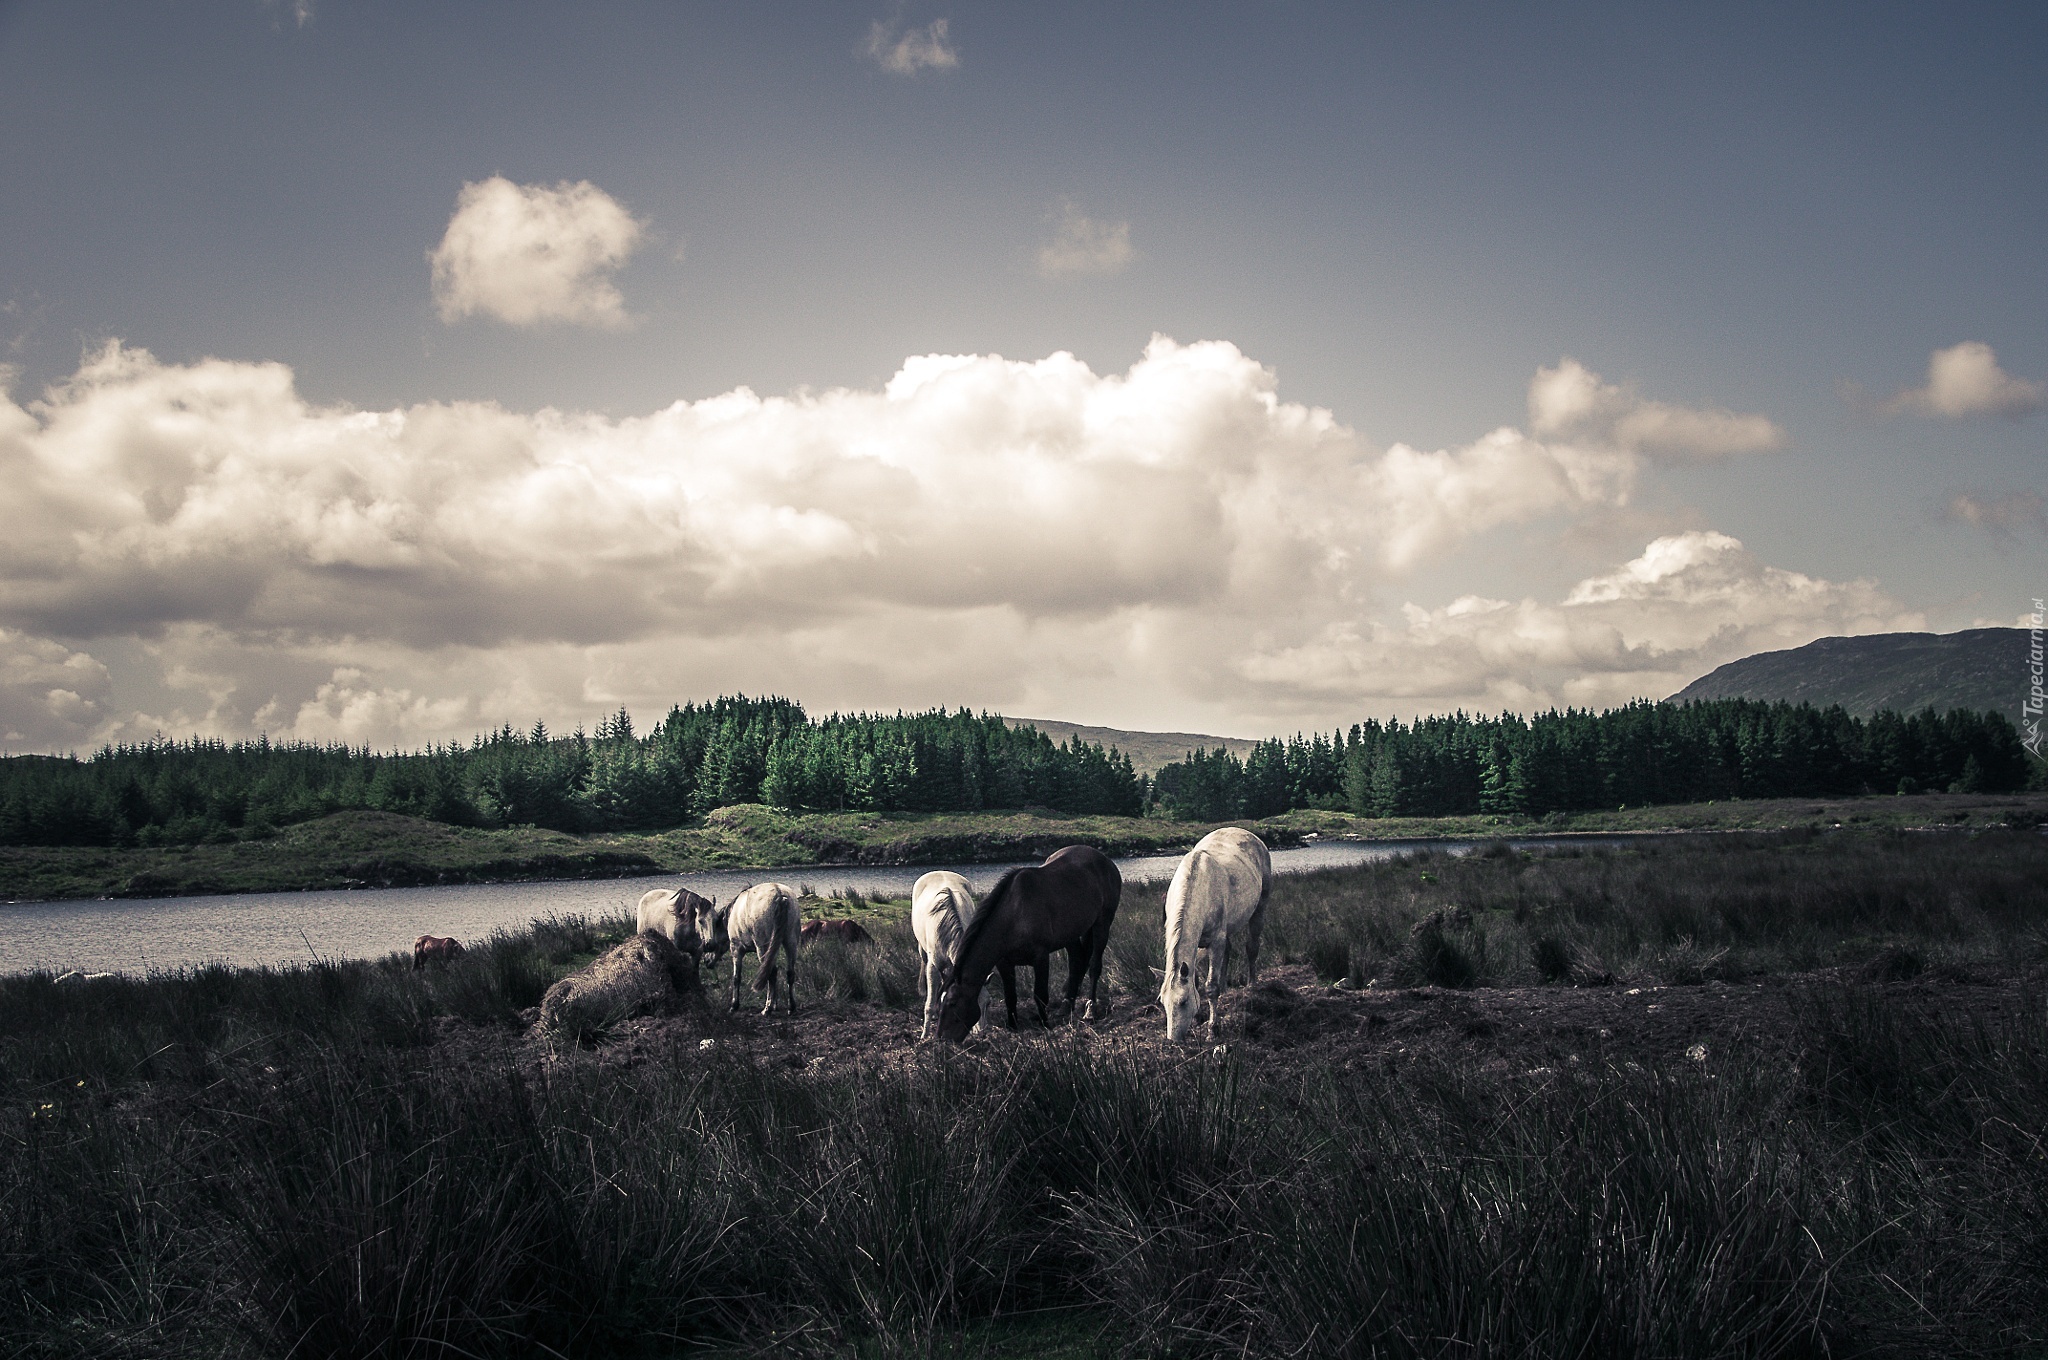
(853, 932)
(1068, 902)
(439, 949)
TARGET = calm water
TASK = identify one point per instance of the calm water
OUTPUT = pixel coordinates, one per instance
(135, 935)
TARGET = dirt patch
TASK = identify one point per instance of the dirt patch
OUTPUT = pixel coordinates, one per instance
(1292, 1021)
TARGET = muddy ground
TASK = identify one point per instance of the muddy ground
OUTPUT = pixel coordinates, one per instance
(1290, 1020)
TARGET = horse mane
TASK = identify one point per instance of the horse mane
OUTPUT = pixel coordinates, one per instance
(979, 924)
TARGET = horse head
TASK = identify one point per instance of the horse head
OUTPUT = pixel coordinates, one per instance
(1180, 999)
(959, 1011)
(711, 932)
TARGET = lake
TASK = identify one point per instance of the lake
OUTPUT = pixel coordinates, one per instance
(137, 935)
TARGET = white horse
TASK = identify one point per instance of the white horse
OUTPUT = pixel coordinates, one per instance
(941, 907)
(760, 920)
(674, 912)
(1218, 891)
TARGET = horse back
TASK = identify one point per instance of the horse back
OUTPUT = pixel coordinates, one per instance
(1066, 900)
(1222, 882)
(942, 907)
(765, 916)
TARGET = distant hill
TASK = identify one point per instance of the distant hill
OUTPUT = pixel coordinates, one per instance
(1149, 751)
(1980, 668)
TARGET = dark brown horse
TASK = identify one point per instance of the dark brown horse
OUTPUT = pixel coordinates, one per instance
(1067, 903)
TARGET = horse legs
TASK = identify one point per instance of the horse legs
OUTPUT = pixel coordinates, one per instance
(932, 988)
(1041, 974)
(1252, 930)
(1217, 980)
(736, 957)
(1077, 968)
(1095, 947)
(1010, 992)
(789, 941)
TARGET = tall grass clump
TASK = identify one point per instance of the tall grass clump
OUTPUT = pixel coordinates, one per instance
(883, 972)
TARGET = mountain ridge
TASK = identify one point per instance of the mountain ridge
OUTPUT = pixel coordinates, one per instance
(1984, 669)
(1149, 751)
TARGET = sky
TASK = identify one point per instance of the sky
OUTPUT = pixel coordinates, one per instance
(384, 373)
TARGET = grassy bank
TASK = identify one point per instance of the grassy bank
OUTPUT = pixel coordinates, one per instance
(1805, 1118)
(374, 849)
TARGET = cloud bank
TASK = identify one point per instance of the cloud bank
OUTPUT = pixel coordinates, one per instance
(979, 530)
(1965, 380)
(1571, 402)
(528, 254)
(1688, 603)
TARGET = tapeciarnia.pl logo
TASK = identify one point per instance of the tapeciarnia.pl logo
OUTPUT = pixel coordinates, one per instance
(2030, 711)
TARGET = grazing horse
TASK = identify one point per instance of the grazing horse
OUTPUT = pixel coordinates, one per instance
(853, 932)
(760, 920)
(942, 906)
(1218, 892)
(674, 912)
(1068, 902)
(435, 949)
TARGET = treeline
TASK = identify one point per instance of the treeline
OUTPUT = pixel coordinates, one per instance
(741, 750)
(1642, 754)
(734, 750)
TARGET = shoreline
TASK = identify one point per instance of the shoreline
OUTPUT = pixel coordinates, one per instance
(371, 850)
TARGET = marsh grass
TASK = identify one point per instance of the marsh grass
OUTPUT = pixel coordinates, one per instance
(1671, 911)
(1885, 1196)
(272, 1162)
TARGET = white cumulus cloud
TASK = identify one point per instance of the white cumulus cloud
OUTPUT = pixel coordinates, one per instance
(1030, 535)
(1082, 246)
(1965, 380)
(1572, 402)
(529, 254)
(911, 50)
(1688, 603)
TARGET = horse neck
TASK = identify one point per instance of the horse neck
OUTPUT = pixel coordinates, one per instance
(978, 954)
(1194, 903)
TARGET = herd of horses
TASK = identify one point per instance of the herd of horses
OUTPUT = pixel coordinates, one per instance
(1217, 899)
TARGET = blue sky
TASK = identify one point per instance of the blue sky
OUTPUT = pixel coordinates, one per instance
(1397, 217)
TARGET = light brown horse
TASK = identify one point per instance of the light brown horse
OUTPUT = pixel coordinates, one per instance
(851, 931)
(438, 949)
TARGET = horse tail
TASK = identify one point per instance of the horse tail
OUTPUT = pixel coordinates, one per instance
(786, 935)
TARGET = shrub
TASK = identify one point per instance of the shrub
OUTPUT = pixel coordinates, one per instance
(1552, 958)
(1433, 957)
(1331, 957)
